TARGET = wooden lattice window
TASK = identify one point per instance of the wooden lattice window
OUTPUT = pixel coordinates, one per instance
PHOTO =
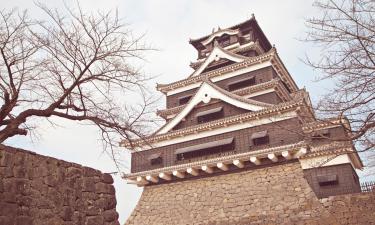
(327, 180)
(249, 81)
(184, 100)
(155, 159)
(259, 138)
(209, 148)
(321, 134)
(210, 115)
(225, 40)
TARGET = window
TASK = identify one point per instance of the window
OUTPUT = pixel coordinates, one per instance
(225, 41)
(184, 100)
(321, 134)
(155, 159)
(209, 148)
(210, 115)
(241, 83)
(327, 180)
(259, 138)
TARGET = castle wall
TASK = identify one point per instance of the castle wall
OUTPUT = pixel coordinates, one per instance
(280, 133)
(271, 195)
(352, 209)
(37, 190)
(347, 180)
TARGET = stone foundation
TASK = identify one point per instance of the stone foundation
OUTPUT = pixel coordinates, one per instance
(272, 195)
(38, 190)
(353, 209)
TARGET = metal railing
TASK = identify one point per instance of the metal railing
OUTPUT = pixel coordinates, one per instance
(368, 186)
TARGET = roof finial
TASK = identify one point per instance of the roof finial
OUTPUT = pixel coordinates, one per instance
(218, 28)
(213, 30)
(252, 16)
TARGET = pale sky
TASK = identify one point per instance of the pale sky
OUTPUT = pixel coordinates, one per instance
(168, 25)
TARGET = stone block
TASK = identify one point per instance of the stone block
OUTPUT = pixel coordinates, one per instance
(24, 220)
(94, 220)
(107, 178)
(6, 220)
(110, 215)
(8, 209)
(66, 213)
(90, 172)
(102, 188)
(88, 184)
(6, 159)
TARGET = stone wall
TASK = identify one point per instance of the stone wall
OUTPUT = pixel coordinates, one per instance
(40, 190)
(272, 195)
(352, 209)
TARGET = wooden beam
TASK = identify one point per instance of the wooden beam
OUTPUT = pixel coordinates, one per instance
(238, 163)
(222, 166)
(255, 160)
(178, 174)
(141, 181)
(192, 171)
(286, 154)
(131, 181)
(272, 157)
(153, 179)
(207, 169)
(300, 153)
(165, 176)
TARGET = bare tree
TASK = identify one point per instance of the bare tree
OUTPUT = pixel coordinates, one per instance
(345, 31)
(75, 66)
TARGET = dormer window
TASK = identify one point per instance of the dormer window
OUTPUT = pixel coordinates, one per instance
(321, 134)
(210, 115)
(209, 148)
(155, 159)
(225, 40)
(246, 82)
(327, 180)
(259, 138)
(184, 100)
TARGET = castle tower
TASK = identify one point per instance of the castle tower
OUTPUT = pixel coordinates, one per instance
(239, 123)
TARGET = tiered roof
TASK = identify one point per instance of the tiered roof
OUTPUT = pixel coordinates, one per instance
(294, 103)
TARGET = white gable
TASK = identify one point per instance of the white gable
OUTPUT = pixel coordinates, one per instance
(216, 54)
(205, 93)
(218, 34)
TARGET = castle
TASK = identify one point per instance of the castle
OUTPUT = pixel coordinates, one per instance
(239, 127)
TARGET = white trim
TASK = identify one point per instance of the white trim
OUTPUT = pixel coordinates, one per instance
(218, 34)
(327, 160)
(262, 92)
(205, 94)
(239, 126)
(222, 77)
(232, 46)
(215, 55)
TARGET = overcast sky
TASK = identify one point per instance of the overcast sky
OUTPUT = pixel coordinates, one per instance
(168, 25)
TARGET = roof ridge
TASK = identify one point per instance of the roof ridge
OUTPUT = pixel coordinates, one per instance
(236, 92)
(270, 53)
(282, 106)
(227, 28)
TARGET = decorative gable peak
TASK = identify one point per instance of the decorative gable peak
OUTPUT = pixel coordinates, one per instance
(205, 94)
(217, 54)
